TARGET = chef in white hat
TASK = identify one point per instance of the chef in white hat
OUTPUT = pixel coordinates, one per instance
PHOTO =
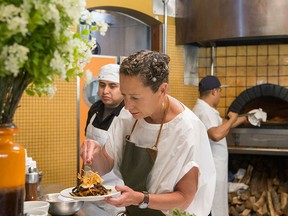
(100, 116)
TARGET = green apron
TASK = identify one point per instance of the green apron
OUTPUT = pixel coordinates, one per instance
(135, 167)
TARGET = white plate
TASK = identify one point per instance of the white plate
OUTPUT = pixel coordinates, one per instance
(114, 193)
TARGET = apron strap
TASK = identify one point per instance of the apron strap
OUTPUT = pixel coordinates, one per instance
(155, 146)
(128, 136)
(163, 119)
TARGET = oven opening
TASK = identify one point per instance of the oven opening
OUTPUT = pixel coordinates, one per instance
(276, 109)
(271, 138)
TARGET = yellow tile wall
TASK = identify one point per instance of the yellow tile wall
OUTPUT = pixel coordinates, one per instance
(242, 67)
(48, 130)
(185, 93)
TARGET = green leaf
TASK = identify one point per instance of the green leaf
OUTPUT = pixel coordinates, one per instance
(30, 92)
(85, 32)
(178, 212)
(94, 28)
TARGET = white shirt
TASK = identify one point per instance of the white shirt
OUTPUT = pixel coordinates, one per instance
(110, 178)
(211, 118)
(183, 144)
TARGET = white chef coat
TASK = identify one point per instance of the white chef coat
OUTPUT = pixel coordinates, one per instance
(183, 144)
(110, 178)
(211, 118)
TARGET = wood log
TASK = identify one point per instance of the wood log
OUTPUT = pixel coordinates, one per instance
(283, 187)
(250, 202)
(276, 181)
(284, 200)
(233, 212)
(240, 208)
(236, 201)
(260, 202)
(247, 177)
(246, 212)
(263, 179)
(276, 202)
(270, 184)
(245, 195)
(254, 183)
(262, 186)
(263, 211)
(270, 205)
(231, 195)
(285, 210)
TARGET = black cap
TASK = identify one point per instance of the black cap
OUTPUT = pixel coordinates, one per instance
(209, 83)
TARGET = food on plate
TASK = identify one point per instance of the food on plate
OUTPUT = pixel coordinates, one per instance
(91, 184)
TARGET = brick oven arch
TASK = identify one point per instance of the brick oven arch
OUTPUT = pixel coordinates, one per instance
(266, 93)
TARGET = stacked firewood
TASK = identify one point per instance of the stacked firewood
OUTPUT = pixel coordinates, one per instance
(267, 193)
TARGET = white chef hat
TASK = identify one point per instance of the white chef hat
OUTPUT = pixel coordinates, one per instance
(109, 72)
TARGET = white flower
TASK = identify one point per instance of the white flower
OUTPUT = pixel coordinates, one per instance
(14, 18)
(92, 43)
(85, 16)
(14, 57)
(48, 90)
(8, 12)
(18, 24)
(90, 19)
(51, 13)
(51, 90)
(58, 64)
(103, 27)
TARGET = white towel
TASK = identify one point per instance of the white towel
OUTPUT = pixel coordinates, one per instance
(258, 116)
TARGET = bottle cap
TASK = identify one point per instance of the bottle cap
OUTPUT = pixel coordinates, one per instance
(32, 177)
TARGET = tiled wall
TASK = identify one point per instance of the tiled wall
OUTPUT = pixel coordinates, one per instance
(48, 130)
(187, 94)
(241, 67)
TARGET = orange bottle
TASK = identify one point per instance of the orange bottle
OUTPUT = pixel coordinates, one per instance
(12, 172)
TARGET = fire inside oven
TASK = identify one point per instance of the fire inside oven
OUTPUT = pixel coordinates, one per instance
(272, 136)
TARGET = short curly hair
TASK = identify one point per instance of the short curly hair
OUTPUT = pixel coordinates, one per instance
(150, 66)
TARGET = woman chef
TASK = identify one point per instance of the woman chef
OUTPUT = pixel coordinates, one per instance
(157, 144)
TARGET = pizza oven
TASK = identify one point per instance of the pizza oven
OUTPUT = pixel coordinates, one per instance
(272, 136)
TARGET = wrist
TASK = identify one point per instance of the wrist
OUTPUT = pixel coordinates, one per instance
(139, 196)
(145, 200)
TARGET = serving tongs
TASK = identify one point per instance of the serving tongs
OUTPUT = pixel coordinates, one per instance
(87, 167)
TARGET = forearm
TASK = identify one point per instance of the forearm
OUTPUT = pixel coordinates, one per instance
(166, 201)
(163, 202)
(181, 197)
(218, 133)
(240, 120)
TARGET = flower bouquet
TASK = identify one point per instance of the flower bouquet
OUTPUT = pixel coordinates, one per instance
(38, 45)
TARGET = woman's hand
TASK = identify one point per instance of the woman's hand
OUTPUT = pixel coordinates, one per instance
(128, 197)
(89, 149)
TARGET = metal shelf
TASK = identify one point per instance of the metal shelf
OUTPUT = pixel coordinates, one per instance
(259, 151)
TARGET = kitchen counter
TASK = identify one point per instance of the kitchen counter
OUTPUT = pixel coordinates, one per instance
(88, 209)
